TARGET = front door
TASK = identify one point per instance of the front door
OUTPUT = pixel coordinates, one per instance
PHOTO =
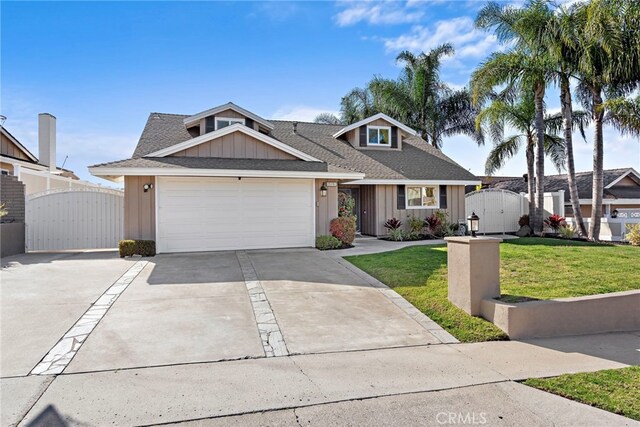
(355, 194)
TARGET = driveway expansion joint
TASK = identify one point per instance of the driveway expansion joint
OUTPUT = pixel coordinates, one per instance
(63, 352)
(270, 333)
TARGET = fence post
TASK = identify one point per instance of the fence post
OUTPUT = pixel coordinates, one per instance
(561, 202)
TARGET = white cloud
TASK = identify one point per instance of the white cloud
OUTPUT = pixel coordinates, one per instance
(302, 113)
(376, 13)
(468, 41)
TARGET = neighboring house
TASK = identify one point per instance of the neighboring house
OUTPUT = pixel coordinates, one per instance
(36, 174)
(226, 178)
(621, 190)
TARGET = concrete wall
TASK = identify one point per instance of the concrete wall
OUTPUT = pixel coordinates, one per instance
(139, 208)
(326, 207)
(615, 312)
(12, 194)
(386, 206)
(236, 146)
(11, 239)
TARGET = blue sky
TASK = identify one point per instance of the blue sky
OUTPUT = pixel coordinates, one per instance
(102, 67)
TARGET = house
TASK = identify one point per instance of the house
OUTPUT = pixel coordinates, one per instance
(226, 178)
(37, 174)
(621, 190)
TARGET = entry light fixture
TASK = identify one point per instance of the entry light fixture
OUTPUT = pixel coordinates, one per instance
(473, 222)
(147, 187)
(323, 190)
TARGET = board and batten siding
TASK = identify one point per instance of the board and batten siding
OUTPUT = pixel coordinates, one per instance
(386, 206)
(326, 207)
(8, 148)
(139, 208)
(236, 145)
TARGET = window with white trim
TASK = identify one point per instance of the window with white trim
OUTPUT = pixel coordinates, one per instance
(422, 197)
(379, 135)
(223, 122)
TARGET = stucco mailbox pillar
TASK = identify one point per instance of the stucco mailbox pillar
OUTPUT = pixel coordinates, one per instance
(473, 265)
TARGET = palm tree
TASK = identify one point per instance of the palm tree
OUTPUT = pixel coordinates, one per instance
(327, 119)
(525, 64)
(520, 115)
(565, 55)
(624, 113)
(609, 67)
(420, 99)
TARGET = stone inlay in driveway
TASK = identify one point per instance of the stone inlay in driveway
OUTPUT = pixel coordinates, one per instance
(61, 354)
(270, 333)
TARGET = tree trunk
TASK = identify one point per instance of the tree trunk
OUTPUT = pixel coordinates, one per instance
(531, 175)
(598, 165)
(539, 100)
(567, 123)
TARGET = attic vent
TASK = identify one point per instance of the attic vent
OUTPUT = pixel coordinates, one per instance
(295, 127)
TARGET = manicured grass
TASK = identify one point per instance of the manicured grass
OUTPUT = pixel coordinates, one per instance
(531, 268)
(614, 390)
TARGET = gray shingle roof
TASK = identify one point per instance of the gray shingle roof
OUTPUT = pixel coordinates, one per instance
(417, 160)
(584, 182)
(220, 163)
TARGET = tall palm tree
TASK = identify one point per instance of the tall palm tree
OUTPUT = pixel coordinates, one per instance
(420, 99)
(519, 115)
(624, 113)
(561, 38)
(609, 67)
(525, 64)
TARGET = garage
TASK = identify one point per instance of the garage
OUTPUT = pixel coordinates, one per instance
(209, 214)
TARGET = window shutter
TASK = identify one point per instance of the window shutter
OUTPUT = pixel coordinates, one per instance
(394, 137)
(210, 124)
(363, 136)
(443, 197)
(401, 202)
(248, 122)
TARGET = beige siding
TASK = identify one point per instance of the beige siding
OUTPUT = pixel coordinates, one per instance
(626, 182)
(139, 208)
(326, 207)
(8, 148)
(236, 146)
(7, 166)
(386, 204)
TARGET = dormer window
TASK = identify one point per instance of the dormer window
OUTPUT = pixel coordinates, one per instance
(223, 122)
(379, 135)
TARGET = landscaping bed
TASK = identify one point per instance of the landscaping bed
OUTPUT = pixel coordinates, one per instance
(614, 390)
(531, 268)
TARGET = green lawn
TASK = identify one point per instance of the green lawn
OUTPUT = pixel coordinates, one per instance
(614, 390)
(531, 268)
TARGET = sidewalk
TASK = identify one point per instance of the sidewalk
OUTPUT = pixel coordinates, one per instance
(447, 375)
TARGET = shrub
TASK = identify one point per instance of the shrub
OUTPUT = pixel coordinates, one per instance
(566, 231)
(327, 242)
(392, 224)
(396, 234)
(137, 247)
(524, 220)
(554, 222)
(433, 223)
(344, 229)
(415, 226)
(633, 234)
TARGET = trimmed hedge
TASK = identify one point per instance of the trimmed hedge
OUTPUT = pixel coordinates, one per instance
(137, 247)
(328, 242)
(344, 229)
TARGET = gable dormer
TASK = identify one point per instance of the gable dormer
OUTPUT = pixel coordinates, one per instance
(222, 116)
(378, 132)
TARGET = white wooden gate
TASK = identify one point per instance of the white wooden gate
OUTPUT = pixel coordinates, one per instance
(499, 210)
(74, 219)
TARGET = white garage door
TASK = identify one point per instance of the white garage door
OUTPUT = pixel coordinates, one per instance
(209, 214)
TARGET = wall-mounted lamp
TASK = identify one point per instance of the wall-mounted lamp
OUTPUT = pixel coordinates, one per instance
(473, 222)
(147, 187)
(323, 190)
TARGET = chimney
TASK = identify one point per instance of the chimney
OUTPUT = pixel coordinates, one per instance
(47, 140)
